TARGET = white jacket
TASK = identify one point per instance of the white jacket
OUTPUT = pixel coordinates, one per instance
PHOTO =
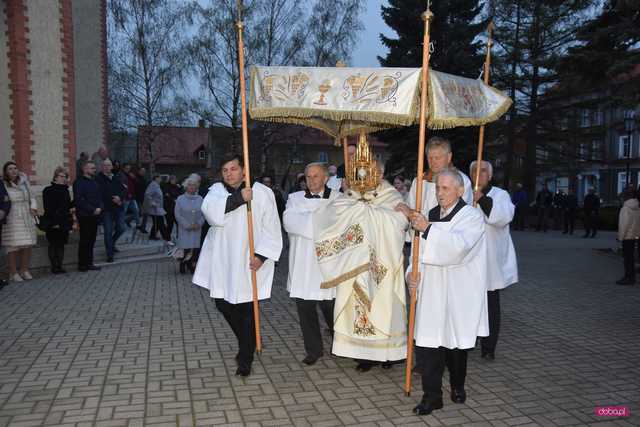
(629, 220)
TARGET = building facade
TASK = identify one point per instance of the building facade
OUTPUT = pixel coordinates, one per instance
(53, 102)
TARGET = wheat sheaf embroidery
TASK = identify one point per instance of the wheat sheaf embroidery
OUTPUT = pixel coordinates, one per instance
(352, 236)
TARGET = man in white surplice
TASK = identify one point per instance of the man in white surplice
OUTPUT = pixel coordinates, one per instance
(497, 210)
(304, 278)
(452, 299)
(224, 266)
(359, 248)
(439, 158)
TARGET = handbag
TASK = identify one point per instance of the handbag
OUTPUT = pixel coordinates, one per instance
(43, 222)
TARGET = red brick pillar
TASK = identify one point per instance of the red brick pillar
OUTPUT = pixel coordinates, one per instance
(20, 85)
(68, 87)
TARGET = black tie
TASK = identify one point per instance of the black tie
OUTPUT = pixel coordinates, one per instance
(315, 196)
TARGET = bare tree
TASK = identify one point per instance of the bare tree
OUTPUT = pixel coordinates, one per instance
(332, 30)
(147, 63)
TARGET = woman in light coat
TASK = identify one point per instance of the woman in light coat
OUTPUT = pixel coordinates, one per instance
(629, 234)
(190, 219)
(19, 233)
(154, 207)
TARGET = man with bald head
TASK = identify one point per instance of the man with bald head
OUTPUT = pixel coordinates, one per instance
(502, 268)
(113, 194)
(304, 278)
(451, 289)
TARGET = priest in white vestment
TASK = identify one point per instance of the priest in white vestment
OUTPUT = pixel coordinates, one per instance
(359, 248)
(451, 306)
(224, 267)
(498, 210)
(305, 277)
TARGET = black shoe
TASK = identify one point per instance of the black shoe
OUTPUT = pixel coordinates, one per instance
(115, 250)
(488, 355)
(425, 408)
(142, 230)
(93, 268)
(365, 366)
(3, 283)
(310, 360)
(110, 259)
(458, 395)
(83, 269)
(62, 271)
(626, 281)
(585, 236)
(153, 238)
(244, 370)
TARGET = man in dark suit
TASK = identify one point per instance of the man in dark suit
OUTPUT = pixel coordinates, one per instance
(5, 207)
(591, 206)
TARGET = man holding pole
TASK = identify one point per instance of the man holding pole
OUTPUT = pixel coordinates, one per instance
(224, 266)
(451, 285)
(502, 268)
(305, 276)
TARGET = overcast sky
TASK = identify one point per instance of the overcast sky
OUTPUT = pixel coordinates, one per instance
(369, 45)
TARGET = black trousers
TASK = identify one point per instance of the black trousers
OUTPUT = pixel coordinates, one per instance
(171, 220)
(433, 362)
(543, 219)
(488, 344)
(569, 221)
(240, 319)
(159, 225)
(628, 253)
(519, 220)
(57, 239)
(590, 223)
(308, 315)
(88, 231)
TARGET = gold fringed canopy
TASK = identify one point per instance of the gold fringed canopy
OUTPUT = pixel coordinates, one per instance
(343, 101)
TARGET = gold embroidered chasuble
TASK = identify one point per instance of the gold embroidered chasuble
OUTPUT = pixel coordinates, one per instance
(359, 250)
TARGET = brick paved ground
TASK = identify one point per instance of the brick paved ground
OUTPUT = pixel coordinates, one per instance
(138, 345)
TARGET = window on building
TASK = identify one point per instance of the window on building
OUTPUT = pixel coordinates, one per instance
(622, 181)
(585, 118)
(323, 157)
(564, 123)
(628, 114)
(595, 150)
(597, 118)
(202, 155)
(582, 152)
(624, 147)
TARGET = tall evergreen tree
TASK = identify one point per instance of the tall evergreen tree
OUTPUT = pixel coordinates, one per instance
(456, 49)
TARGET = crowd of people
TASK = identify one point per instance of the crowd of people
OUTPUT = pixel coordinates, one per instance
(105, 195)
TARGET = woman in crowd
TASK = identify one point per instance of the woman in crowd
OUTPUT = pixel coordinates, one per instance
(19, 232)
(190, 219)
(58, 217)
(154, 207)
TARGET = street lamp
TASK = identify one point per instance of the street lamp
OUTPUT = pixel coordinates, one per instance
(630, 127)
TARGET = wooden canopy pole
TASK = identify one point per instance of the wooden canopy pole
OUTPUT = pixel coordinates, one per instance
(487, 67)
(427, 16)
(247, 175)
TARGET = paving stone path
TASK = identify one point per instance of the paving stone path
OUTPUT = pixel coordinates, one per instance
(137, 344)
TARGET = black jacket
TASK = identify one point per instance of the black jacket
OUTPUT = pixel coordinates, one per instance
(591, 203)
(141, 187)
(5, 202)
(110, 187)
(57, 206)
(171, 193)
(86, 196)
